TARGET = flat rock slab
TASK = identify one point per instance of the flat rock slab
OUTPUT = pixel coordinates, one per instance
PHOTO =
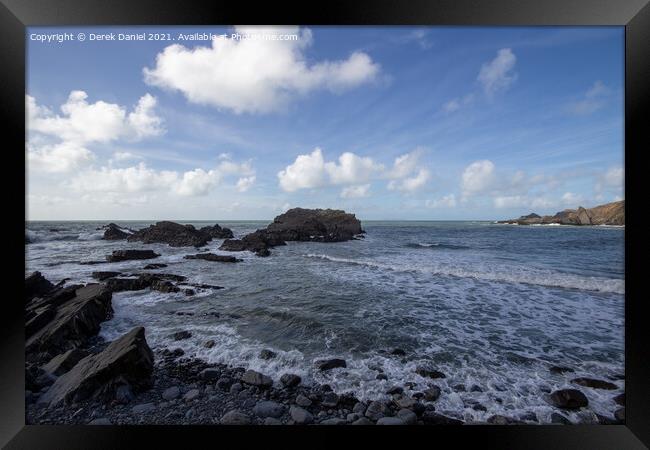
(127, 255)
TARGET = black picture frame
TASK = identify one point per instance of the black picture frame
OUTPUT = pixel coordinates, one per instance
(15, 15)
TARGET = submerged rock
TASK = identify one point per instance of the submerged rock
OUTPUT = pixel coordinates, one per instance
(213, 257)
(593, 383)
(328, 364)
(290, 380)
(428, 372)
(126, 255)
(126, 361)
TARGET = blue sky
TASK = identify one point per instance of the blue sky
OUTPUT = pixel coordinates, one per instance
(435, 123)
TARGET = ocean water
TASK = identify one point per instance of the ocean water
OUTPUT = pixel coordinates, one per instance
(489, 305)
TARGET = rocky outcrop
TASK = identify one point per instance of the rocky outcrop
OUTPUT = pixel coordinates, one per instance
(298, 224)
(213, 257)
(126, 362)
(607, 214)
(114, 233)
(36, 285)
(71, 321)
(156, 281)
(126, 255)
(568, 399)
(217, 232)
(177, 235)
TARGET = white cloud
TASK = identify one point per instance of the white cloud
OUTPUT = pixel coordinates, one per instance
(359, 191)
(312, 171)
(572, 200)
(124, 156)
(447, 201)
(82, 123)
(307, 171)
(411, 184)
(255, 76)
(612, 180)
(455, 104)
(498, 74)
(522, 201)
(593, 100)
(245, 183)
(478, 177)
(58, 158)
(141, 178)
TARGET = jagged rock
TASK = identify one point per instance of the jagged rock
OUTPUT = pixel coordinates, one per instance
(298, 224)
(593, 383)
(36, 285)
(126, 361)
(213, 257)
(217, 232)
(328, 364)
(114, 233)
(126, 255)
(75, 320)
(62, 363)
(568, 399)
(177, 235)
(620, 399)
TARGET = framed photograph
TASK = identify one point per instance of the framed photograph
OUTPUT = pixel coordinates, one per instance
(372, 214)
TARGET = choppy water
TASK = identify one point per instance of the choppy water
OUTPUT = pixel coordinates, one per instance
(489, 305)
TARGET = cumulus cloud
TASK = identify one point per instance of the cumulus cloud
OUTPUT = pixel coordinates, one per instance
(447, 201)
(478, 177)
(81, 123)
(141, 178)
(612, 181)
(593, 100)
(498, 74)
(255, 75)
(522, 201)
(359, 191)
(312, 171)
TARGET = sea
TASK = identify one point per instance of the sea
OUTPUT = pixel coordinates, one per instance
(492, 306)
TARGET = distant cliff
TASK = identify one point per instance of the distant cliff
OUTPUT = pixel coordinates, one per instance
(607, 214)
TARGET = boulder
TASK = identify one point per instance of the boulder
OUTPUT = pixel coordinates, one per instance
(213, 257)
(334, 421)
(407, 416)
(268, 409)
(376, 410)
(171, 393)
(36, 285)
(301, 416)
(433, 418)
(432, 393)
(181, 335)
(290, 380)
(568, 399)
(114, 233)
(303, 401)
(126, 361)
(593, 383)
(329, 364)
(256, 379)
(74, 321)
(559, 419)
(267, 354)
(428, 372)
(390, 421)
(127, 255)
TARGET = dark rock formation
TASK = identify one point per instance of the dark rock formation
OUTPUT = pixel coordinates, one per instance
(74, 320)
(127, 361)
(298, 224)
(607, 214)
(156, 281)
(104, 275)
(213, 257)
(114, 233)
(126, 255)
(328, 364)
(568, 399)
(177, 235)
(217, 232)
(593, 383)
(62, 363)
(154, 266)
(36, 285)
(429, 372)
